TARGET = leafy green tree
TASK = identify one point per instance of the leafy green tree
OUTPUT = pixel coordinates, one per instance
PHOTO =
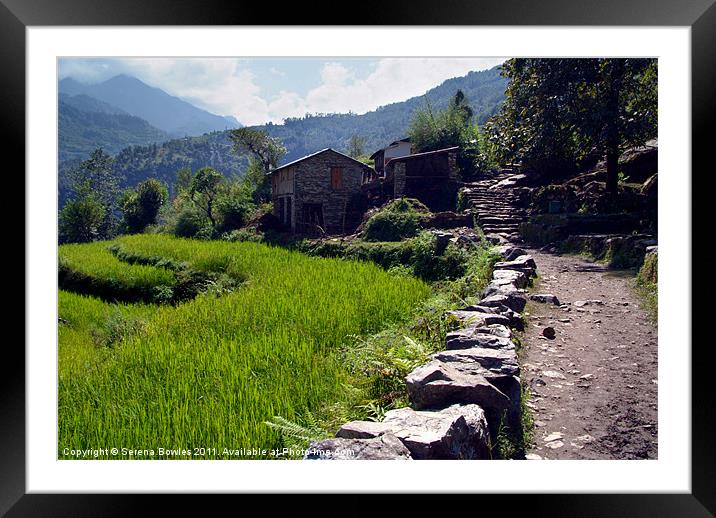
(265, 150)
(557, 112)
(182, 181)
(141, 206)
(80, 220)
(356, 146)
(96, 175)
(205, 188)
(430, 130)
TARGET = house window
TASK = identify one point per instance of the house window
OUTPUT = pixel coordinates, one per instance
(336, 178)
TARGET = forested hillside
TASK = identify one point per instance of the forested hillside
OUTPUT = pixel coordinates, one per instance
(86, 124)
(301, 136)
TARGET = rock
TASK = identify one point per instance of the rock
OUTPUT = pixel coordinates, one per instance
(517, 278)
(447, 219)
(384, 447)
(554, 444)
(513, 300)
(510, 252)
(553, 436)
(363, 430)
(532, 456)
(495, 329)
(554, 374)
(478, 318)
(475, 337)
(545, 298)
(496, 239)
(549, 333)
(499, 361)
(591, 302)
(439, 385)
(523, 263)
(457, 432)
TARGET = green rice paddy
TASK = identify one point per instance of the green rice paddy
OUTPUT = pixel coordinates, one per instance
(208, 373)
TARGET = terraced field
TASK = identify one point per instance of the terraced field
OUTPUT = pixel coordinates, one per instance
(209, 371)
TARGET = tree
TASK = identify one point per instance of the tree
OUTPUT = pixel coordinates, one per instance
(430, 130)
(265, 150)
(557, 112)
(182, 181)
(81, 218)
(204, 189)
(356, 146)
(96, 176)
(141, 206)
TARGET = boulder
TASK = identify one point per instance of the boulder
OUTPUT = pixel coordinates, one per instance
(510, 252)
(495, 329)
(456, 432)
(496, 239)
(478, 318)
(384, 447)
(517, 278)
(545, 298)
(363, 430)
(511, 299)
(498, 361)
(441, 384)
(470, 337)
(523, 263)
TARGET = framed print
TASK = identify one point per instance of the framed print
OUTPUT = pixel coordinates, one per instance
(426, 234)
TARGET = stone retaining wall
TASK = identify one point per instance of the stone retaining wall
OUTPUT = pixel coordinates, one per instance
(460, 397)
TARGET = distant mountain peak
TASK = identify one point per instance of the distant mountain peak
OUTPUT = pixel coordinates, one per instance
(162, 110)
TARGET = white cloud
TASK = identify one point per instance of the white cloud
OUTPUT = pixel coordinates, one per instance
(227, 86)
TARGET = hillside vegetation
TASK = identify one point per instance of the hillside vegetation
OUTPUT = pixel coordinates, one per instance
(211, 371)
(302, 136)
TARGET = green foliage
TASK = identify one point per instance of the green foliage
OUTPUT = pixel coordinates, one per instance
(647, 283)
(188, 221)
(141, 206)
(93, 181)
(559, 111)
(356, 146)
(80, 220)
(399, 219)
(215, 369)
(205, 187)
(81, 131)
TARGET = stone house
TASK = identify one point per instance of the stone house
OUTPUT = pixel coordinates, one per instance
(431, 177)
(320, 193)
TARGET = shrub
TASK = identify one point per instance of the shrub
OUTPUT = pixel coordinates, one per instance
(398, 220)
(189, 221)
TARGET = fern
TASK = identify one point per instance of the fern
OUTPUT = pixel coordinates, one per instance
(309, 432)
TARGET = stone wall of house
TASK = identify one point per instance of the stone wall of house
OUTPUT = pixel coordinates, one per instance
(313, 186)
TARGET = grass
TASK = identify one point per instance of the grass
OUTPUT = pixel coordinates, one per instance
(647, 288)
(209, 373)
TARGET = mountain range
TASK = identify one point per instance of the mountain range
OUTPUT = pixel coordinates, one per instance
(148, 154)
(170, 114)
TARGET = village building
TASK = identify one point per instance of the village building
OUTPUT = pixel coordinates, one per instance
(320, 193)
(399, 148)
(431, 177)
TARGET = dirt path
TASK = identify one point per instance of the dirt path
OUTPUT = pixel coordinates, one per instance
(594, 386)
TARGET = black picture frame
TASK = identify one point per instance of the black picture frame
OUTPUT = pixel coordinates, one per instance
(700, 15)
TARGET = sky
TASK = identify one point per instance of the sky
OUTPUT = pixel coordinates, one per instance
(260, 90)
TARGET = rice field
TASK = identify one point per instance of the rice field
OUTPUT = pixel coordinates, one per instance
(209, 372)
